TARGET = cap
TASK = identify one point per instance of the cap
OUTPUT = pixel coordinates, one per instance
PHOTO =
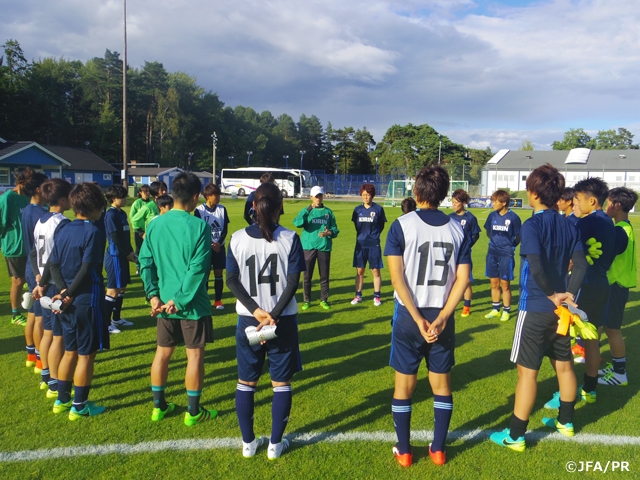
(317, 190)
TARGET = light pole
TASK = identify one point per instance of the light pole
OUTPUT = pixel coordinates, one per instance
(376, 169)
(337, 157)
(249, 153)
(231, 161)
(286, 159)
(125, 136)
(214, 141)
(302, 152)
(439, 148)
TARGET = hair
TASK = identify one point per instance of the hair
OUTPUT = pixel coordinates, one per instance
(185, 186)
(155, 187)
(625, 197)
(143, 188)
(502, 196)
(54, 190)
(461, 195)
(115, 192)
(33, 183)
(547, 183)
(22, 175)
(267, 199)
(267, 177)
(593, 187)
(86, 198)
(211, 189)
(568, 194)
(164, 201)
(432, 185)
(369, 188)
(408, 205)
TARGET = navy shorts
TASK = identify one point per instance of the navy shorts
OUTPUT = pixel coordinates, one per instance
(408, 346)
(82, 327)
(535, 338)
(362, 255)
(592, 299)
(117, 268)
(51, 321)
(36, 308)
(614, 313)
(219, 260)
(500, 267)
(283, 352)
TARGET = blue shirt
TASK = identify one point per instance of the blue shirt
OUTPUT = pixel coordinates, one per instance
(502, 230)
(369, 224)
(554, 238)
(573, 219)
(115, 221)
(598, 225)
(469, 223)
(30, 216)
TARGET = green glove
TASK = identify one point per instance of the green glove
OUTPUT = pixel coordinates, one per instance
(594, 251)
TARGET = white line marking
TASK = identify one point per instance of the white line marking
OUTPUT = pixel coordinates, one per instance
(301, 438)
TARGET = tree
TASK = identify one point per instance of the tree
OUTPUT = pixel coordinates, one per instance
(526, 146)
(574, 138)
(612, 140)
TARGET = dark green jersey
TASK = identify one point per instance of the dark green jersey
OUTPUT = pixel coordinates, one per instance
(11, 240)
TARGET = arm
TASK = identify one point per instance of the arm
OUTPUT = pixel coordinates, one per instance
(238, 290)
(293, 279)
(474, 238)
(579, 271)
(56, 274)
(33, 260)
(517, 229)
(247, 209)
(148, 268)
(197, 270)
(539, 275)
(138, 219)
(225, 228)
(457, 291)
(334, 226)
(302, 218)
(123, 247)
(83, 277)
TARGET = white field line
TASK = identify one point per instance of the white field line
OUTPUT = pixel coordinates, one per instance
(299, 438)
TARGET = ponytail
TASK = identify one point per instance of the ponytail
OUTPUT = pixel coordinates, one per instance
(267, 200)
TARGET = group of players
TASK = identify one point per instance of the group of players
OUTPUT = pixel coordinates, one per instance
(429, 261)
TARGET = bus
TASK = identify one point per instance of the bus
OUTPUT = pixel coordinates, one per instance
(242, 181)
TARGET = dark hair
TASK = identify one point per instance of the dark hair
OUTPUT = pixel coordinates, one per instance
(211, 189)
(408, 205)
(502, 196)
(164, 201)
(267, 199)
(86, 198)
(568, 194)
(155, 187)
(55, 190)
(185, 186)
(432, 185)
(369, 188)
(593, 187)
(625, 197)
(547, 183)
(143, 188)
(33, 183)
(22, 175)
(267, 177)
(115, 192)
(461, 195)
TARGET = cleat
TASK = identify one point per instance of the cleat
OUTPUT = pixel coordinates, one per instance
(607, 368)
(439, 458)
(376, 301)
(566, 429)
(90, 410)
(203, 416)
(114, 329)
(577, 350)
(37, 369)
(578, 359)
(404, 459)
(305, 306)
(249, 449)
(44, 386)
(554, 403)
(20, 320)
(276, 450)
(613, 378)
(122, 323)
(59, 407)
(466, 311)
(31, 360)
(504, 440)
(159, 414)
(325, 305)
(218, 305)
(505, 317)
(493, 314)
(51, 393)
(356, 300)
(589, 397)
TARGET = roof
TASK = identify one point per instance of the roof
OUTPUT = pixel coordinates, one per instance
(203, 174)
(149, 171)
(598, 160)
(71, 158)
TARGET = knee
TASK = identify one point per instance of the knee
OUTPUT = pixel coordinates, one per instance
(376, 272)
(504, 284)
(195, 354)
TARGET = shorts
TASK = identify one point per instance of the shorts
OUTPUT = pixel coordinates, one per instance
(362, 255)
(592, 299)
(535, 338)
(51, 321)
(408, 346)
(219, 260)
(193, 333)
(500, 267)
(614, 312)
(36, 308)
(117, 268)
(82, 329)
(283, 352)
(16, 266)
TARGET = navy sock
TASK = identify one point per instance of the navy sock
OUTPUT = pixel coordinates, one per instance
(31, 349)
(37, 354)
(46, 373)
(64, 391)
(108, 305)
(194, 401)
(81, 397)
(244, 409)
(218, 284)
(442, 411)
(280, 409)
(518, 427)
(117, 308)
(53, 384)
(15, 312)
(589, 383)
(359, 294)
(401, 410)
(620, 365)
(467, 303)
(158, 397)
(376, 294)
(496, 305)
(507, 308)
(565, 414)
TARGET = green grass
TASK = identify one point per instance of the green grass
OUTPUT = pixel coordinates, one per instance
(346, 386)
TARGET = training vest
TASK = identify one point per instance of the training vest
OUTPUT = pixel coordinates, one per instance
(623, 270)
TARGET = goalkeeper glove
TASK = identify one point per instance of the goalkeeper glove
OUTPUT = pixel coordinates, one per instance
(593, 251)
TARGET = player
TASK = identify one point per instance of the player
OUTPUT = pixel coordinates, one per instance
(164, 203)
(149, 210)
(263, 271)
(459, 200)
(319, 229)
(565, 204)
(503, 230)
(549, 243)
(249, 213)
(144, 197)
(429, 257)
(408, 205)
(369, 220)
(216, 217)
(176, 285)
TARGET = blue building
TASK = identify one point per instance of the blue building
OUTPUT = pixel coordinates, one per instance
(147, 175)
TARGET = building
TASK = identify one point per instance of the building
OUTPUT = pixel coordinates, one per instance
(509, 169)
(147, 175)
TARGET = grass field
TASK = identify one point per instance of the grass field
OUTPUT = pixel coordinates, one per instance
(345, 388)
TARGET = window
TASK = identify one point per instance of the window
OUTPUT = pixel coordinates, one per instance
(55, 175)
(4, 176)
(500, 178)
(137, 179)
(524, 177)
(632, 178)
(88, 177)
(512, 178)
(106, 176)
(618, 178)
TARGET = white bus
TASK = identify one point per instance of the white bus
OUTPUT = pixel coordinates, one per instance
(242, 181)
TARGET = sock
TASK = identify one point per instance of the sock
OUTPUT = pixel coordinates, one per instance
(80, 399)
(620, 365)
(376, 294)
(507, 308)
(117, 308)
(280, 409)
(218, 284)
(194, 401)
(401, 410)
(589, 383)
(467, 303)
(244, 409)
(158, 397)
(64, 391)
(15, 312)
(108, 306)
(31, 349)
(37, 354)
(442, 411)
(565, 414)
(45, 375)
(53, 384)
(359, 294)
(496, 305)
(518, 427)
(580, 341)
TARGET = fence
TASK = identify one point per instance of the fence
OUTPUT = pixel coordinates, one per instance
(350, 184)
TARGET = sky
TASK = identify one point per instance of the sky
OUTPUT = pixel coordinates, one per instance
(484, 73)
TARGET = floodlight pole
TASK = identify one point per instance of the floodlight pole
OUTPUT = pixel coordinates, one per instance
(439, 149)
(124, 100)
(302, 152)
(286, 159)
(214, 141)
(249, 157)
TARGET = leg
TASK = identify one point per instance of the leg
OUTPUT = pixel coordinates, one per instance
(28, 340)
(218, 284)
(16, 292)
(310, 260)
(592, 362)
(401, 408)
(359, 281)
(245, 393)
(194, 378)
(618, 350)
(117, 307)
(159, 375)
(568, 386)
(280, 410)
(495, 291)
(442, 408)
(109, 304)
(526, 390)
(65, 375)
(467, 295)
(45, 346)
(506, 294)
(324, 266)
(38, 332)
(56, 352)
(377, 280)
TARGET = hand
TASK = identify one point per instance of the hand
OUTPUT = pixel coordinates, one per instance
(156, 305)
(38, 292)
(38, 278)
(264, 318)
(560, 298)
(132, 257)
(310, 207)
(170, 308)
(424, 327)
(594, 251)
(437, 326)
(215, 246)
(66, 301)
